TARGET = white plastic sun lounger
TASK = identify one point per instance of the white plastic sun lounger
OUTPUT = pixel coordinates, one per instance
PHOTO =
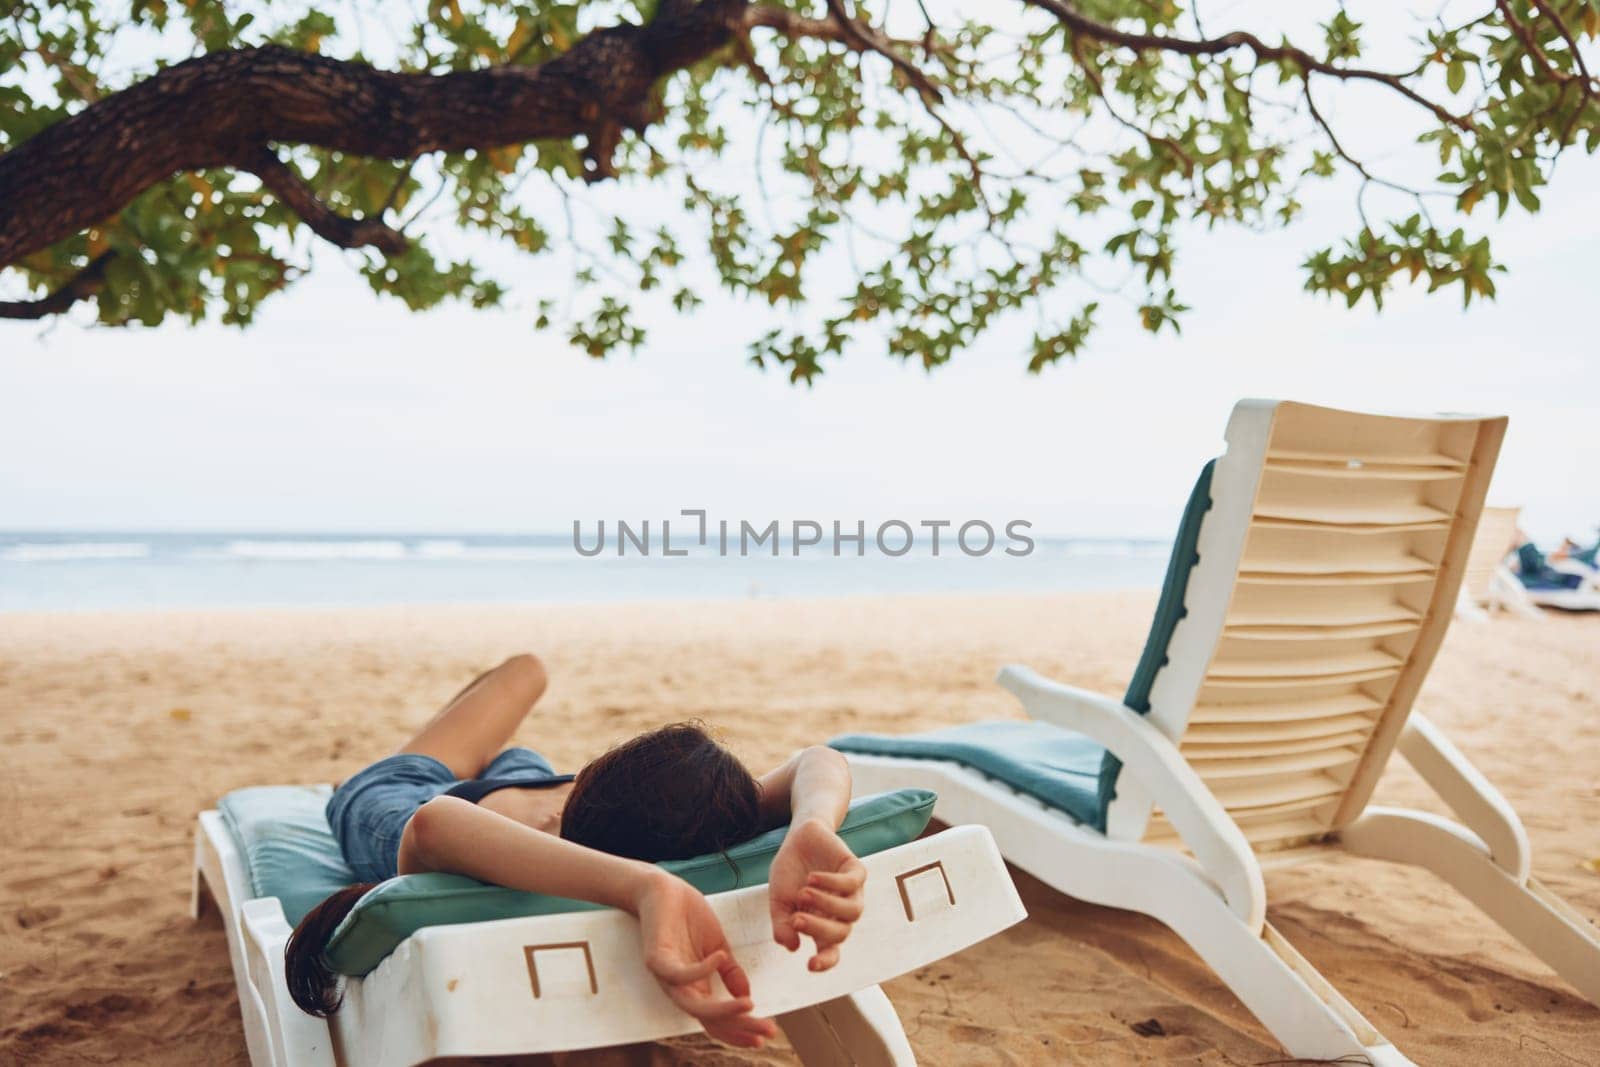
(1488, 584)
(572, 979)
(1310, 588)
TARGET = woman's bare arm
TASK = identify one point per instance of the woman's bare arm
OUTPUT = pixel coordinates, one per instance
(455, 836)
(813, 784)
(815, 884)
(682, 940)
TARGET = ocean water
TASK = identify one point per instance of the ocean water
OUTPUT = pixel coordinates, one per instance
(76, 571)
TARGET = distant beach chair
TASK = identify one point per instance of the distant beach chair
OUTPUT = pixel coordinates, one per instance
(444, 966)
(1309, 589)
(1489, 585)
(1567, 585)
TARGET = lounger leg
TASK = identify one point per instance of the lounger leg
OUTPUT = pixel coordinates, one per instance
(1281, 988)
(1295, 1003)
(1508, 594)
(198, 893)
(1547, 925)
(861, 1029)
(1468, 610)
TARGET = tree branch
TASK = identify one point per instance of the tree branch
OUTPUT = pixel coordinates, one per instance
(791, 23)
(281, 181)
(1572, 42)
(1529, 43)
(222, 110)
(1153, 138)
(80, 286)
(1084, 26)
(858, 37)
(839, 29)
(867, 39)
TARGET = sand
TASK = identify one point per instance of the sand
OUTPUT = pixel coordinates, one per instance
(118, 728)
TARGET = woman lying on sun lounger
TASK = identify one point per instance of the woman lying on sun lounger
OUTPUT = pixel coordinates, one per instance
(450, 800)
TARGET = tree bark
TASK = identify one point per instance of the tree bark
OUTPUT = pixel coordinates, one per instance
(227, 109)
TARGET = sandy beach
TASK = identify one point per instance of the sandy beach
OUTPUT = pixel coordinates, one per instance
(118, 728)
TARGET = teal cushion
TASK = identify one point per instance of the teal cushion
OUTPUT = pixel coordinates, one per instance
(396, 909)
(287, 846)
(1169, 609)
(291, 854)
(1065, 770)
(1056, 766)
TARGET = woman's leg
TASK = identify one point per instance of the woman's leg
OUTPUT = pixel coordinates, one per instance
(467, 732)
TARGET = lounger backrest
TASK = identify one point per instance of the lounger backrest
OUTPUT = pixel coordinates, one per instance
(1310, 588)
(1494, 541)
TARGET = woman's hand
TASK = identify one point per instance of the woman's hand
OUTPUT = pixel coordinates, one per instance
(683, 943)
(683, 947)
(815, 888)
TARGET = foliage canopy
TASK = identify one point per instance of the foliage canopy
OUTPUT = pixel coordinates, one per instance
(923, 169)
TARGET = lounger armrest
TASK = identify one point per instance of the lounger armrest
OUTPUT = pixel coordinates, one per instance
(1151, 757)
(577, 980)
(1573, 567)
(1468, 793)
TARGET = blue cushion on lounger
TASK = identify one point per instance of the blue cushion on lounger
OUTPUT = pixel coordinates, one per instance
(293, 856)
(288, 848)
(1056, 766)
(1550, 581)
(1536, 574)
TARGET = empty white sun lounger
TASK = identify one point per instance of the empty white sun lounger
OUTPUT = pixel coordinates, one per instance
(1488, 584)
(1312, 582)
(428, 980)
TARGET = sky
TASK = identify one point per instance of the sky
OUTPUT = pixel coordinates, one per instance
(339, 411)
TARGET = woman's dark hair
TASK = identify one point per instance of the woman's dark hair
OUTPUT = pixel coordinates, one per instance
(312, 983)
(668, 794)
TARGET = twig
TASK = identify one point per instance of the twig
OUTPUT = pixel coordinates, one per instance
(1083, 26)
(80, 286)
(291, 189)
(867, 39)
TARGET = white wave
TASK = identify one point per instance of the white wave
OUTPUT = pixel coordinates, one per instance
(315, 550)
(1118, 549)
(441, 549)
(460, 550)
(51, 552)
(448, 550)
